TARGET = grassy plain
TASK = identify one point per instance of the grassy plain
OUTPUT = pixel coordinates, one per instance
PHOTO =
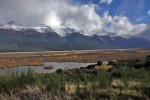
(38, 58)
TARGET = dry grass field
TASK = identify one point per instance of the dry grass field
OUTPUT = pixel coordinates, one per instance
(38, 58)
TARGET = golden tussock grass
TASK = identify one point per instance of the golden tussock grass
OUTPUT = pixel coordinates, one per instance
(104, 67)
(34, 93)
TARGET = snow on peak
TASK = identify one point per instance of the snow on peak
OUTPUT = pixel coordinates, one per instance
(63, 31)
(41, 28)
(17, 27)
(12, 25)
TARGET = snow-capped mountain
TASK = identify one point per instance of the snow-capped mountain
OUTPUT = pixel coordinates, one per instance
(41, 28)
(16, 37)
(17, 27)
(63, 31)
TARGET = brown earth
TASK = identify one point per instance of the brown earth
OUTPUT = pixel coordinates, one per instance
(38, 58)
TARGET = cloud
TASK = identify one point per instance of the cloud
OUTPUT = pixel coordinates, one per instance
(23, 11)
(67, 13)
(106, 1)
(80, 17)
(122, 25)
(148, 12)
(55, 13)
(139, 19)
(106, 17)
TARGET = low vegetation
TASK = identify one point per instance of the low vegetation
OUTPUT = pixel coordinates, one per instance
(121, 79)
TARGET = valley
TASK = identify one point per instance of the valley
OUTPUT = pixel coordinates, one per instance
(39, 58)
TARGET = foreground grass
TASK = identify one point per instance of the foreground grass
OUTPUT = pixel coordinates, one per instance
(117, 83)
(126, 79)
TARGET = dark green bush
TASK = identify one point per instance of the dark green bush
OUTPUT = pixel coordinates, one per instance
(147, 64)
(90, 66)
(59, 71)
(99, 63)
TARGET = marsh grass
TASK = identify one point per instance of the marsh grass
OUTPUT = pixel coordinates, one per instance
(117, 83)
(14, 80)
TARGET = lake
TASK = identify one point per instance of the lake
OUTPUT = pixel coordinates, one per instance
(40, 69)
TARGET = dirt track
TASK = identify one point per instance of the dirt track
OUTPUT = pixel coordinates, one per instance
(38, 58)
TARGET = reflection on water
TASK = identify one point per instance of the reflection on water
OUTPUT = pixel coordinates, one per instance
(40, 69)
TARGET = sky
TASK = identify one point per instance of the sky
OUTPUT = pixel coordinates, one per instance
(137, 11)
(124, 17)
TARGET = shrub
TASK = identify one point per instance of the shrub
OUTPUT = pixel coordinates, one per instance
(99, 63)
(116, 73)
(148, 57)
(90, 66)
(139, 65)
(59, 71)
(147, 64)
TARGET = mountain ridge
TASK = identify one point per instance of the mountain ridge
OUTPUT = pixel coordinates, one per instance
(16, 38)
(42, 28)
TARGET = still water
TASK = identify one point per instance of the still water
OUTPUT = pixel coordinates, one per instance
(40, 69)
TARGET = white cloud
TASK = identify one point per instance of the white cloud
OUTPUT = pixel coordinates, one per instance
(106, 18)
(122, 26)
(139, 19)
(106, 1)
(148, 12)
(80, 17)
(55, 13)
(67, 13)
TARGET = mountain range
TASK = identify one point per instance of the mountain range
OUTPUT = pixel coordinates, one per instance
(15, 37)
